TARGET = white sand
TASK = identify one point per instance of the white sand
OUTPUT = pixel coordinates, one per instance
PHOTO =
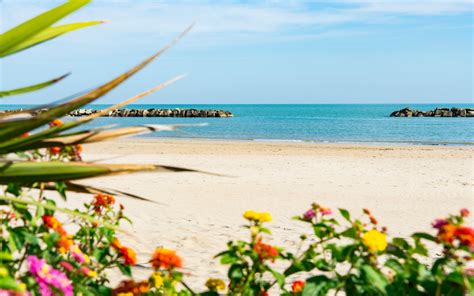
(404, 186)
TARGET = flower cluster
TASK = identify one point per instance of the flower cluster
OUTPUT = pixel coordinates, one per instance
(297, 286)
(102, 201)
(215, 284)
(375, 240)
(265, 251)
(166, 258)
(48, 277)
(129, 256)
(311, 214)
(258, 217)
(450, 231)
(130, 287)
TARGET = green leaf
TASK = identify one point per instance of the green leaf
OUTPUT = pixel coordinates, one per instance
(279, 277)
(424, 236)
(7, 283)
(229, 258)
(394, 265)
(32, 27)
(5, 256)
(345, 214)
(31, 87)
(48, 34)
(54, 171)
(318, 285)
(374, 278)
(61, 188)
(236, 272)
(125, 269)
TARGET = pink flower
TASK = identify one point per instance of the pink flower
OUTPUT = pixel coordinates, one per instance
(438, 223)
(78, 255)
(469, 271)
(309, 214)
(66, 265)
(465, 212)
(48, 277)
(325, 211)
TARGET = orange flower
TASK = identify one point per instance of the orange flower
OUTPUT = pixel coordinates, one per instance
(265, 251)
(116, 244)
(78, 148)
(24, 135)
(129, 256)
(102, 201)
(130, 287)
(297, 286)
(373, 220)
(446, 233)
(53, 223)
(54, 150)
(166, 258)
(56, 122)
(64, 243)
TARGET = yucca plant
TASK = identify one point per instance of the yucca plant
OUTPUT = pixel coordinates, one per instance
(40, 152)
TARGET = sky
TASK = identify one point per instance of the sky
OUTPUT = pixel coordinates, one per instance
(255, 52)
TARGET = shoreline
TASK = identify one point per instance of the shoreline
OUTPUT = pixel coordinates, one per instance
(310, 142)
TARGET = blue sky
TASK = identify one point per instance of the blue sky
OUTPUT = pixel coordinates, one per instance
(333, 51)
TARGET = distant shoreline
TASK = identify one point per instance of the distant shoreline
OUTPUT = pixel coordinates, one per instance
(146, 138)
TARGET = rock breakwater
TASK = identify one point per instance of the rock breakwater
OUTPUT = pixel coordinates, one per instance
(152, 112)
(438, 112)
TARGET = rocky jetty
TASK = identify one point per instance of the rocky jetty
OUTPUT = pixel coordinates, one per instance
(438, 112)
(147, 112)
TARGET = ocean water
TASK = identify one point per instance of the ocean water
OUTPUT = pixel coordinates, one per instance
(312, 123)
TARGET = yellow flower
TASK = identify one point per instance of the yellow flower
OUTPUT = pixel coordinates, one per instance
(215, 284)
(257, 216)
(157, 279)
(375, 240)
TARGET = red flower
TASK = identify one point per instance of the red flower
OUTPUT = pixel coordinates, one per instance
(129, 256)
(297, 286)
(465, 212)
(165, 258)
(52, 223)
(54, 150)
(465, 235)
(265, 251)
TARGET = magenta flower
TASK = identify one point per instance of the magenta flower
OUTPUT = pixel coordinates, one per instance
(309, 214)
(438, 223)
(48, 277)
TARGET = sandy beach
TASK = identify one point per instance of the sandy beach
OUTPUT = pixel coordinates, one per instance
(404, 186)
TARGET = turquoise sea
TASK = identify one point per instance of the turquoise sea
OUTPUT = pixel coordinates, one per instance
(315, 123)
